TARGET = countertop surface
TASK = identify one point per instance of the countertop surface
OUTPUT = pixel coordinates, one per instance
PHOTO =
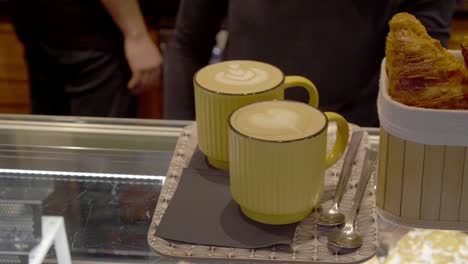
(104, 176)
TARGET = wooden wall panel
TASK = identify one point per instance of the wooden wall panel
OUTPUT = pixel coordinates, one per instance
(14, 85)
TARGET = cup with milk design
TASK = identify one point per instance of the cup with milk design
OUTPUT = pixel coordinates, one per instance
(224, 87)
(277, 153)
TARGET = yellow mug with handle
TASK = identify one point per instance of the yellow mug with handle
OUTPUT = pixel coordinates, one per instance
(224, 87)
(277, 153)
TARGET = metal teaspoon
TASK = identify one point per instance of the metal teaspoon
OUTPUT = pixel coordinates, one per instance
(347, 237)
(334, 217)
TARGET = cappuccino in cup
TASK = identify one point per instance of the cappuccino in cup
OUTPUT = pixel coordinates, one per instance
(224, 87)
(281, 121)
(277, 153)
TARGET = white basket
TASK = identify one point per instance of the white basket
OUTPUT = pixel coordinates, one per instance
(423, 163)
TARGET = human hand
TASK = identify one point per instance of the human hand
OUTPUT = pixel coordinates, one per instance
(145, 62)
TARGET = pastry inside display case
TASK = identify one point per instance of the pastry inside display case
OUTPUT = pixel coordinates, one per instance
(430, 246)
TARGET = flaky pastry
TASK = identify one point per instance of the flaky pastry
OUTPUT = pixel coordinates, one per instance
(421, 71)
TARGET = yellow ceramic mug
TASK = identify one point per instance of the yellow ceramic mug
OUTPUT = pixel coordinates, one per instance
(277, 152)
(224, 87)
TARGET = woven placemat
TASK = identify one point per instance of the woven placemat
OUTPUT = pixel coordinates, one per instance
(310, 241)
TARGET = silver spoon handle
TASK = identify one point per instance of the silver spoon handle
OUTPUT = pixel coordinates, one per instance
(367, 168)
(346, 169)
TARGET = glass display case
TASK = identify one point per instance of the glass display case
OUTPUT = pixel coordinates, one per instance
(104, 177)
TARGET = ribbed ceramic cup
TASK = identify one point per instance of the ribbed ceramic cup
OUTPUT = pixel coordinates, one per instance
(277, 176)
(224, 87)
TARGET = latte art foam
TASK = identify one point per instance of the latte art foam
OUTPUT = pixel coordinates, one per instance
(239, 77)
(278, 120)
(236, 75)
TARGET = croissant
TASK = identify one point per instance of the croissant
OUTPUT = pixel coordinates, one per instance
(421, 71)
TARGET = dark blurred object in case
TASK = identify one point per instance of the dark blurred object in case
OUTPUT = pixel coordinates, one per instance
(20, 214)
(14, 259)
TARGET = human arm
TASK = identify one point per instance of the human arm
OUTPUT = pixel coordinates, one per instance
(435, 15)
(197, 25)
(142, 54)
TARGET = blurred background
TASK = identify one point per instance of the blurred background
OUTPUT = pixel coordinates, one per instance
(14, 86)
(160, 18)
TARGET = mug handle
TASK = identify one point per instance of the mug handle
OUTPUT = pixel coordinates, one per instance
(342, 136)
(292, 81)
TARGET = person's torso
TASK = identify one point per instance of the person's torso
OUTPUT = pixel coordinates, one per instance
(336, 44)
